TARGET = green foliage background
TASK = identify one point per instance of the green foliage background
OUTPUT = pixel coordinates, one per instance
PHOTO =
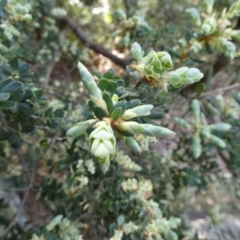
(54, 189)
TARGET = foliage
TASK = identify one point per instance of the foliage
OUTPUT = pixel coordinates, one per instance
(89, 152)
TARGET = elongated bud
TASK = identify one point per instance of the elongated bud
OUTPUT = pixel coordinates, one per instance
(89, 82)
(136, 51)
(143, 110)
(195, 106)
(196, 146)
(217, 141)
(182, 122)
(157, 131)
(78, 129)
(103, 144)
(221, 127)
(132, 127)
(133, 144)
(146, 129)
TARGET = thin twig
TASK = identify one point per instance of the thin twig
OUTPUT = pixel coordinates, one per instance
(77, 30)
(13, 222)
(221, 90)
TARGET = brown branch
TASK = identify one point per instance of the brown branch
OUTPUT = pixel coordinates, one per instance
(95, 46)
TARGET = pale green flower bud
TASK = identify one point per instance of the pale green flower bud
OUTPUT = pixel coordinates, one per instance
(221, 127)
(194, 74)
(196, 46)
(184, 75)
(132, 127)
(78, 129)
(194, 15)
(165, 60)
(183, 42)
(143, 110)
(102, 144)
(157, 131)
(227, 47)
(175, 80)
(146, 129)
(209, 26)
(136, 51)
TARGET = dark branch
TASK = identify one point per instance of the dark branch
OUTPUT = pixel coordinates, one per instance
(94, 46)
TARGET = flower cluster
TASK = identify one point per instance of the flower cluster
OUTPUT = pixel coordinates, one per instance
(112, 118)
(154, 69)
(125, 162)
(215, 31)
(202, 130)
(156, 225)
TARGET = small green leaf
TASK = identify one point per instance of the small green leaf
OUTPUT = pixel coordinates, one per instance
(103, 84)
(91, 105)
(15, 141)
(108, 101)
(38, 93)
(121, 92)
(44, 143)
(14, 63)
(7, 105)
(4, 135)
(59, 113)
(90, 127)
(208, 48)
(48, 113)
(117, 113)
(112, 87)
(156, 114)
(133, 103)
(42, 100)
(194, 59)
(99, 112)
(124, 133)
(4, 96)
(121, 104)
(120, 83)
(109, 74)
(11, 86)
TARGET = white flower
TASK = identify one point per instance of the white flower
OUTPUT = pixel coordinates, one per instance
(103, 144)
(117, 235)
